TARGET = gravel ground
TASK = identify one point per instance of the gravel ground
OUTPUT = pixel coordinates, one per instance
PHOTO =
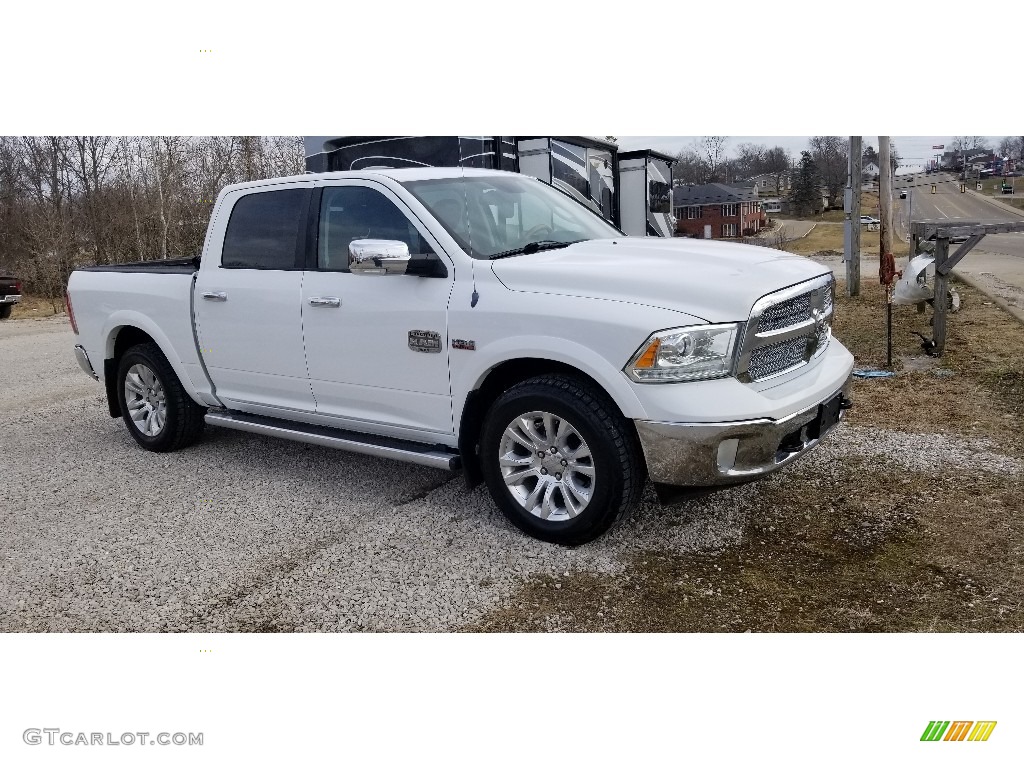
(247, 533)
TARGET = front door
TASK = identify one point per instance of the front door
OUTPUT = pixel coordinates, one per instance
(376, 345)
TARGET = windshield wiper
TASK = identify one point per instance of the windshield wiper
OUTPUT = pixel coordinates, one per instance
(537, 245)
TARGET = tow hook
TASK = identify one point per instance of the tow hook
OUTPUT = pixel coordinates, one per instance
(845, 404)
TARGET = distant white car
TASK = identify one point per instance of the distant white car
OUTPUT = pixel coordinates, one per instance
(869, 220)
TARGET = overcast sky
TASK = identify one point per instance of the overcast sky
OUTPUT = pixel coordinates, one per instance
(914, 150)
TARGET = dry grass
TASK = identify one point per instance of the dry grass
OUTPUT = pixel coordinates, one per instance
(828, 236)
(858, 545)
(882, 550)
(35, 307)
(983, 392)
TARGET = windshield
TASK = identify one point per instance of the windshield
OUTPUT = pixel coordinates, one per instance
(499, 215)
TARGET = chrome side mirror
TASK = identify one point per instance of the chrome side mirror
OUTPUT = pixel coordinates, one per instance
(378, 257)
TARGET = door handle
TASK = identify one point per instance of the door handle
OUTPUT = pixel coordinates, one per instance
(215, 296)
(325, 301)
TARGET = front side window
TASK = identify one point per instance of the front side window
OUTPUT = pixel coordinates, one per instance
(350, 213)
(263, 231)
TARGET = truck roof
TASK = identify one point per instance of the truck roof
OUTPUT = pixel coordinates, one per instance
(397, 174)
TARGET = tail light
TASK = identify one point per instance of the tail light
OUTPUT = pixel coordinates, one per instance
(17, 287)
(71, 312)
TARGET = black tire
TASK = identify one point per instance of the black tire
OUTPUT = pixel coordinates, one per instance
(618, 468)
(184, 421)
(5, 311)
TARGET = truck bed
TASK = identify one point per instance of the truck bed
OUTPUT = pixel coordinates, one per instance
(159, 267)
(152, 296)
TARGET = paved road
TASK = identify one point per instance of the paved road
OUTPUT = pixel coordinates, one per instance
(996, 264)
(948, 203)
(796, 229)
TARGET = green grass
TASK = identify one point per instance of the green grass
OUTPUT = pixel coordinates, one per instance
(990, 186)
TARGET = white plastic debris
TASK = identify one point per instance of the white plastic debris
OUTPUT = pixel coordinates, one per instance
(916, 285)
(913, 287)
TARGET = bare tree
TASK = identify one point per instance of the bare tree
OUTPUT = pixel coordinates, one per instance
(831, 156)
(750, 159)
(895, 158)
(712, 150)
(1012, 147)
(68, 201)
(690, 168)
(778, 163)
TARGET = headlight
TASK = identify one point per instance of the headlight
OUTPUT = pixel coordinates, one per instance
(685, 354)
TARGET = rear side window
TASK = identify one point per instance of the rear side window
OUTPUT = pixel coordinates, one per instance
(263, 231)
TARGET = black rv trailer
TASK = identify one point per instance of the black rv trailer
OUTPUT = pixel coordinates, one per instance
(585, 168)
(645, 189)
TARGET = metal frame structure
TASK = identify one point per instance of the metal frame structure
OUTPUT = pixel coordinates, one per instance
(945, 261)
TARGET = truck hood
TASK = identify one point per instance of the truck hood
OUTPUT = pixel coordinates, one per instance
(715, 281)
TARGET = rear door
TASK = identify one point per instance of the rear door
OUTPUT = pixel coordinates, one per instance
(247, 307)
(376, 345)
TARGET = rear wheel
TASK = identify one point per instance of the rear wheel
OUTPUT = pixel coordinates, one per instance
(157, 410)
(5, 311)
(560, 461)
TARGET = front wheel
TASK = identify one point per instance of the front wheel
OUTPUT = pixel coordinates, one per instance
(559, 459)
(157, 410)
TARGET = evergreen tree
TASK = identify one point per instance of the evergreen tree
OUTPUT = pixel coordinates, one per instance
(806, 186)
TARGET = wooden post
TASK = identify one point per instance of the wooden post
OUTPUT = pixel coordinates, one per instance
(884, 196)
(853, 256)
(939, 301)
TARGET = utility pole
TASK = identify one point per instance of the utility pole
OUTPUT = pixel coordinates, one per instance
(885, 196)
(886, 262)
(851, 226)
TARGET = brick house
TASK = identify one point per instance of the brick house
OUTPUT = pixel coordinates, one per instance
(728, 211)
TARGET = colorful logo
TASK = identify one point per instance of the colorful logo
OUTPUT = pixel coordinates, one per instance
(958, 730)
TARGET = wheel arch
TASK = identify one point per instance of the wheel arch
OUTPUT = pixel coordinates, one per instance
(500, 379)
(124, 331)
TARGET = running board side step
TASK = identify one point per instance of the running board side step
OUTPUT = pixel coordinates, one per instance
(437, 456)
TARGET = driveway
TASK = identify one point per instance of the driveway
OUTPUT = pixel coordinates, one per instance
(795, 229)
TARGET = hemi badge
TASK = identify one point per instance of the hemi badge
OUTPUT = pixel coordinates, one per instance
(464, 344)
(424, 341)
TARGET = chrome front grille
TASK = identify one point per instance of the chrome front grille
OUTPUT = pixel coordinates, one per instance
(786, 313)
(777, 357)
(786, 330)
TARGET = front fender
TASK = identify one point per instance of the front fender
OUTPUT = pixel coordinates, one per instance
(560, 350)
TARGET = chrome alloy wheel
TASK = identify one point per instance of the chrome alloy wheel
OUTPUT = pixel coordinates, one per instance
(547, 466)
(145, 399)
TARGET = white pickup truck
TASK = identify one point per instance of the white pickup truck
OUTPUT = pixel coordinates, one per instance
(474, 320)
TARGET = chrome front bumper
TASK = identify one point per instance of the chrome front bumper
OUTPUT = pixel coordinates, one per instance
(83, 361)
(727, 453)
